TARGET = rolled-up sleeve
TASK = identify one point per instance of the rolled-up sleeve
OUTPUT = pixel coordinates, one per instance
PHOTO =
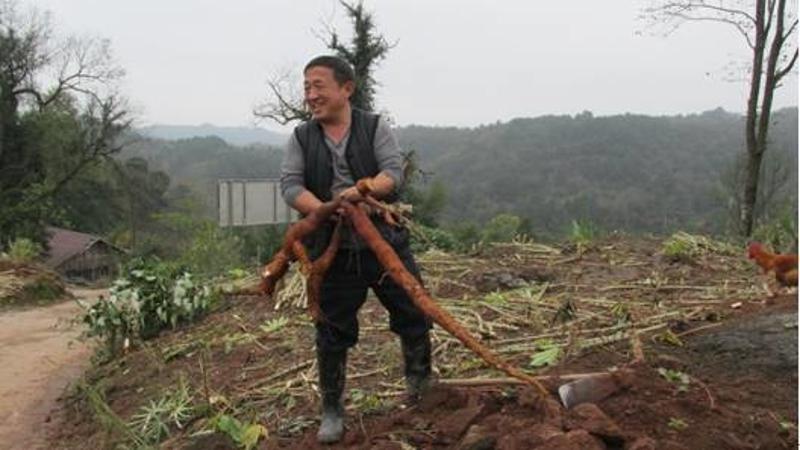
(388, 153)
(292, 169)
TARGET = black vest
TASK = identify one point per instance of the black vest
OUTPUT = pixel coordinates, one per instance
(318, 174)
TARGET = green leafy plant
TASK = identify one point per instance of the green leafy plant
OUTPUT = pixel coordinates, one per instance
(274, 324)
(245, 435)
(686, 247)
(151, 297)
(668, 337)
(676, 377)
(677, 424)
(425, 238)
(787, 426)
(621, 312)
(23, 250)
(108, 419)
(496, 298)
(779, 232)
(548, 354)
(582, 233)
(502, 228)
(213, 250)
(153, 421)
(365, 402)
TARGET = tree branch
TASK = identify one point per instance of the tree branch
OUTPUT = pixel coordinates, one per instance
(781, 73)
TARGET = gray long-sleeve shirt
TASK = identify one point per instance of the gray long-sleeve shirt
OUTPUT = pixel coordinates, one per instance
(387, 154)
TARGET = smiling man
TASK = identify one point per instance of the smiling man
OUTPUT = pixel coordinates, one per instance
(325, 156)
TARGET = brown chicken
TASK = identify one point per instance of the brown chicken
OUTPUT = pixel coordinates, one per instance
(783, 266)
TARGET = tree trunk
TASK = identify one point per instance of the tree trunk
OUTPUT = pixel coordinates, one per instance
(751, 126)
(752, 169)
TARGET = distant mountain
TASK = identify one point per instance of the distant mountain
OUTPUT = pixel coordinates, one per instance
(239, 136)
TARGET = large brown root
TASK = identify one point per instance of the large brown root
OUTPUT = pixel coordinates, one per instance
(397, 271)
(317, 273)
(277, 267)
(389, 260)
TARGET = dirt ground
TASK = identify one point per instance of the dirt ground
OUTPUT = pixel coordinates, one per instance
(39, 358)
(742, 395)
(733, 349)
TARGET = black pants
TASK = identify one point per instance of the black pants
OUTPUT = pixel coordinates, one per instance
(344, 290)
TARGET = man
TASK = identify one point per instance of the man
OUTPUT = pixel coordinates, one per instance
(325, 157)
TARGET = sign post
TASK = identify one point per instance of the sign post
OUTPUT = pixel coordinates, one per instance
(252, 201)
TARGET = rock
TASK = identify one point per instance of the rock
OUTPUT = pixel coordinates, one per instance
(573, 440)
(732, 442)
(440, 395)
(669, 362)
(492, 281)
(530, 437)
(477, 438)
(672, 445)
(386, 446)
(641, 443)
(456, 423)
(589, 417)
(549, 410)
(544, 432)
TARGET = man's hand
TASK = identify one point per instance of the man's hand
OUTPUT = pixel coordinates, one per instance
(351, 194)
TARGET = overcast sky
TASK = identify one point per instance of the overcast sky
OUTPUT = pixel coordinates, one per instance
(456, 62)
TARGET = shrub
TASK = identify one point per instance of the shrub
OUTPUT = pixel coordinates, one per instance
(23, 250)
(502, 228)
(426, 238)
(212, 251)
(583, 232)
(152, 296)
(780, 232)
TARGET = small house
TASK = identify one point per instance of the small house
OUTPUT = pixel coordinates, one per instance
(81, 256)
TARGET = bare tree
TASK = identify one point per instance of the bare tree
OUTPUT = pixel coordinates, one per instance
(284, 103)
(41, 75)
(767, 27)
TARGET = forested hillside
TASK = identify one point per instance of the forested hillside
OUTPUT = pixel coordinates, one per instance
(620, 172)
(631, 172)
(197, 163)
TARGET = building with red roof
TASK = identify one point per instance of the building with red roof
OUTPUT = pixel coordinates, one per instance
(82, 256)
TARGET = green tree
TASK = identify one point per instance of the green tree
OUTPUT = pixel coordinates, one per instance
(285, 104)
(82, 116)
(145, 194)
(367, 48)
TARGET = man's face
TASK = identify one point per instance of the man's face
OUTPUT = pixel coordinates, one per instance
(325, 97)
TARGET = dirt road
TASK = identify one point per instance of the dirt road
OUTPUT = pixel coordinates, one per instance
(39, 358)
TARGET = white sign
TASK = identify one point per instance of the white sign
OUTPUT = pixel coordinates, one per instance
(254, 201)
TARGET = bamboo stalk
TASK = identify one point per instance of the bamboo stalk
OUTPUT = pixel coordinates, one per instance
(279, 375)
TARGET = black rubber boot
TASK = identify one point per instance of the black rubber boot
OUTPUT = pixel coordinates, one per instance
(332, 369)
(417, 357)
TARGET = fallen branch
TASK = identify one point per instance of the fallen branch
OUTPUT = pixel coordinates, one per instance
(508, 380)
(279, 375)
(636, 348)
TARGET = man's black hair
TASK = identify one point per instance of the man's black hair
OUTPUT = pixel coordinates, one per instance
(342, 71)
